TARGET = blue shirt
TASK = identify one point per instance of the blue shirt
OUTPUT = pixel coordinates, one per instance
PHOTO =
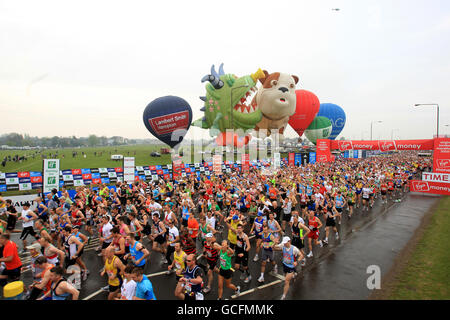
(144, 289)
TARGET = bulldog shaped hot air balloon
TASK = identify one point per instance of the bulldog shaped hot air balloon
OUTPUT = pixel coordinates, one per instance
(307, 107)
(227, 105)
(320, 128)
(336, 115)
(276, 99)
(168, 119)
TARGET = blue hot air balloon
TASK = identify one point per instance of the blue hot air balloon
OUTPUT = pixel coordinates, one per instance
(336, 115)
(168, 119)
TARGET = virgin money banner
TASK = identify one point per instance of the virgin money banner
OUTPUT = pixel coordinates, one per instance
(291, 159)
(382, 145)
(430, 187)
(441, 155)
(323, 151)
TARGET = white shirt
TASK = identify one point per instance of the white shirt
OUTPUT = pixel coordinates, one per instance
(155, 207)
(106, 232)
(128, 289)
(173, 234)
(26, 222)
(366, 192)
(211, 221)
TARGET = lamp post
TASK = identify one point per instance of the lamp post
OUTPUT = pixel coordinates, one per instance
(371, 125)
(432, 104)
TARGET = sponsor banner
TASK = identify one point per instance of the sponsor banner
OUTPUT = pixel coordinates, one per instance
(67, 177)
(24, 180)
(128, 169)
(429, 187)
(2, 181)
(94, 170)
(355, 154)
(12, 187)
(312, 157)
(78, 183)
(111, 170)
(383, 145)
(323, 153)
(35, 174)
(105, 180)
(67, 183)
(3, 188)
(66, 172)
(139, 168)
(12, 181)
(104, 175)
(298, 159)
(23, 174)
(217, 164)
(95, 176)
(436, 177)
(118, 169)
(24, 186)
(245, 162)
(87, 176)
(87, 182)
(112, 175)
(103, 170)
(19, 201)
(51, 175)
(2, 175)
(292, 159)
(165, 125)
(76, 172)
(36, 185)
(85, 171)
(441, 155)
(11, 175)
(96, 181)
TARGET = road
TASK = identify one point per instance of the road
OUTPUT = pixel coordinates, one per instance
(337, 271)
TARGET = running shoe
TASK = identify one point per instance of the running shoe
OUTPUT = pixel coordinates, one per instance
(256, 258)
(248, 279)
(310, 254)
(165, 261)
(337, 236)
(100, 254)
(238, 291)
(84, 276)
(283, 297)
(303, 263)
(261, 279)
(106, 288)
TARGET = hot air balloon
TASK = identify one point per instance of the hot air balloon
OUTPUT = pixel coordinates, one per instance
(320, 128)
(307, 106)
(168, 119)
(336, 115)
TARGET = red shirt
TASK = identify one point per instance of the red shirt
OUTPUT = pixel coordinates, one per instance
(10, 249)
(193, 224)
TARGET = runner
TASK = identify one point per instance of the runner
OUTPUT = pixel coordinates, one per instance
(54, 255)
(212, 256)
(60, 288)
(268, 241)
(114, 268)
(159, 236)
(128, 289)
(190, 284)
(291, 256)
(138, 253)
(28, 218)
(330, 213)
(298, 237)
(242, 250)
(257, 229)
(225, 270)
(11, 260)
(314, 225)
(173, 238)
(365, 196)
(144, 288)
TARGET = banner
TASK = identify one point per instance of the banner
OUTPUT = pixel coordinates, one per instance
(51, 175)
(441, 155)
(217, 164)
(312, 157)
(128, 170)
(436, 177)
(276, 161)
(430, 187)
(298, 159)
(382, 145)
(291, 159)
(323, 150)
(245, 162)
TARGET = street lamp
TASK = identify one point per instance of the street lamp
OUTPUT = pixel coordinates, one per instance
(371, 125)
(431, 104)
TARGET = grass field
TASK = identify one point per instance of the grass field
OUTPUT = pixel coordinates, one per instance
(427, 273)
(140, 152)
(102, 158)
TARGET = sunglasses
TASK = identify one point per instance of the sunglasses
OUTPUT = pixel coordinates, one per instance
(188, 260)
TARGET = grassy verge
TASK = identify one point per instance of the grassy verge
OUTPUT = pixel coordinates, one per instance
(426, 275)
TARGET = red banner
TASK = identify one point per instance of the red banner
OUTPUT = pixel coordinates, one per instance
(23, 174)
(429, 187)
(87, 176)
(292, 159)
(323, 153)
(76, 171)
(441, 155)
(245, 162)
(383, 145)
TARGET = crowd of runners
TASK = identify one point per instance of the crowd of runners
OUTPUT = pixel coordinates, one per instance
(200, 226)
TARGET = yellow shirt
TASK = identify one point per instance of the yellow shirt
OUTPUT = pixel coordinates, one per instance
(232, 236)
(179, 260)
(112, 270)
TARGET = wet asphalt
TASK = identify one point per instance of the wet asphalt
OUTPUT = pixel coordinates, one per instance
(336, 271)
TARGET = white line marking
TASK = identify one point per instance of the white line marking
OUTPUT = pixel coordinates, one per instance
(257, 288)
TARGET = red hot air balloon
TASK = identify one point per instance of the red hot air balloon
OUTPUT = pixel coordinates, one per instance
(307, 107)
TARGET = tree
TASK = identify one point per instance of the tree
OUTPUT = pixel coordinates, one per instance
(93, 140)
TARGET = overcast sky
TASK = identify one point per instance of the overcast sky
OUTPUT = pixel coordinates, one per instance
(91, 67)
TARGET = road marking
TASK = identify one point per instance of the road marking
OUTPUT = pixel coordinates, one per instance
(258, 288)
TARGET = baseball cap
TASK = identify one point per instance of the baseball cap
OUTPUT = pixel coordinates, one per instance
(209, 235)
(235, 217)
(168, 199)
(36, 246)
(285, 240)
(259, 214)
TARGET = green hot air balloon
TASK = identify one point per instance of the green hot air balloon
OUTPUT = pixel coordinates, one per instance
(320, 128)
